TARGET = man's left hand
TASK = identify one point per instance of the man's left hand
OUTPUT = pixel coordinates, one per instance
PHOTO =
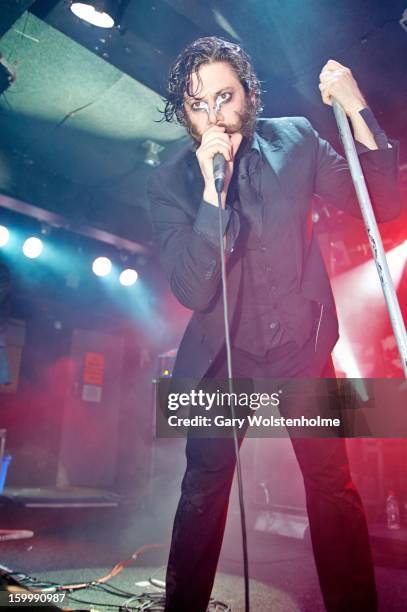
(337, 81)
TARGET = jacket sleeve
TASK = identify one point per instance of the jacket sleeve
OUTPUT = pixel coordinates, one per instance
(333, 181)
(188, 250)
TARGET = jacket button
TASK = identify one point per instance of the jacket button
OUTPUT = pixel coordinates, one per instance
(273, 325)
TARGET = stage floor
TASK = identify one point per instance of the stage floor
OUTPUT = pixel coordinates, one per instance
(84, 543)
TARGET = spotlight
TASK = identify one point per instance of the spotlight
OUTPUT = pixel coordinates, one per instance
(100, 13)
(32, 247)
(102, 266)
(4, 236)
(128, 277)
(153, 149)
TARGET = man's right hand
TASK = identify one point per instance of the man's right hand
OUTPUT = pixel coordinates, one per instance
(216, 140)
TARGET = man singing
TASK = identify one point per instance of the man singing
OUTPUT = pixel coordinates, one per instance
(283, 322)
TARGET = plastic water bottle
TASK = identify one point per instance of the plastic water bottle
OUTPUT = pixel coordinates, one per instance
(3, 471)
(392, 511)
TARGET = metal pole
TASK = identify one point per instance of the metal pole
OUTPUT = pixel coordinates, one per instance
(376, 245)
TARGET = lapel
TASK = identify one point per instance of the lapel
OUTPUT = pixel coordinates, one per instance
(272, 151)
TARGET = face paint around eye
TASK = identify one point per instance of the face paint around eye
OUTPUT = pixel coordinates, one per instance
(203, 106)
(200, 106)
(220, 100)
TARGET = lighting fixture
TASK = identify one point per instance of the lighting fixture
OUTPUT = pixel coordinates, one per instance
(4, 235)
(33, 247)
(102, 266)
(100, 13)
(128, 277)
(153, 149)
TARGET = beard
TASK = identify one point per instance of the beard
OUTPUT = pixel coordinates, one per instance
(245, 123)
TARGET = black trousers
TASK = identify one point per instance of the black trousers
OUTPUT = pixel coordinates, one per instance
(337, 521)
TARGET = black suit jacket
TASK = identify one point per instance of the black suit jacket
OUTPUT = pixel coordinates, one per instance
(303, 164)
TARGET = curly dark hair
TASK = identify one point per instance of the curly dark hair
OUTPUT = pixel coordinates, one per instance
(205, 51)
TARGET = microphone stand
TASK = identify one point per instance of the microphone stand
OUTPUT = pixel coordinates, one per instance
(219, 166)
(375, 241)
